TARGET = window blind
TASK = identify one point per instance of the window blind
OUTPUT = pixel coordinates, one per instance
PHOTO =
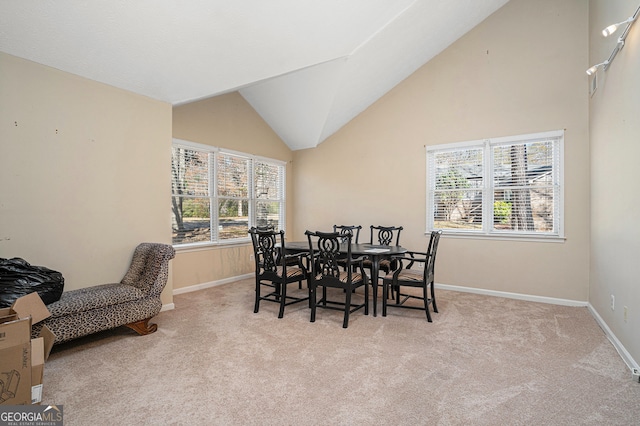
(458, 188)
(500, 186)
(217, 195)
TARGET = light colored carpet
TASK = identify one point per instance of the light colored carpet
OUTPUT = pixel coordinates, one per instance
(483, 361)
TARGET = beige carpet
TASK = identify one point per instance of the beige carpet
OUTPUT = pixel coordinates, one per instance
(483, 361)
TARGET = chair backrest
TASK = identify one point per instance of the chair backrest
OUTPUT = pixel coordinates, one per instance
(344, 229)
(385, 235)
(324, 249)
(266, 251)
(149, 269)
(429, 270)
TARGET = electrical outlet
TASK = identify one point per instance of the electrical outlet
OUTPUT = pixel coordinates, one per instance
(251, 257)
(613, 302)
(635, 373)
(625, 309)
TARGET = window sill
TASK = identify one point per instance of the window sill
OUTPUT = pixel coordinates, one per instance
(502, 237)
(187, 248)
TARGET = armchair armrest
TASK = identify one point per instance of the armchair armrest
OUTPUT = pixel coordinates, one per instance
(410, 256)
(358, 259)
(295, 259)
(358, 263)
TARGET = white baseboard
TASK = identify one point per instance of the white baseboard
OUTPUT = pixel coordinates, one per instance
(622, 351)
(210, 284)
(167, 307)
(519, 296)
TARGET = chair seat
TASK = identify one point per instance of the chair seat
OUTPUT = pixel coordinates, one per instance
(344, 277)
(385, 264)
(292, 272)
(407, 275)
(92, 298)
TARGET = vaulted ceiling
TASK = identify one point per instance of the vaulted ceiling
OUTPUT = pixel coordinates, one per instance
(307, 67)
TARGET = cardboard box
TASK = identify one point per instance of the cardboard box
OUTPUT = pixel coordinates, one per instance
(22, 358)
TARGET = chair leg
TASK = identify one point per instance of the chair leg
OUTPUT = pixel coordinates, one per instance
(366, 298)
(426, 303)
(312, 299)
(143, 327)
(257, 305)
(433, 298)
(283, 299)
(278, 290)
(385, 294)
(347, 308)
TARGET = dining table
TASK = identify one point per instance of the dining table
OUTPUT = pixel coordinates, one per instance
(374, 252)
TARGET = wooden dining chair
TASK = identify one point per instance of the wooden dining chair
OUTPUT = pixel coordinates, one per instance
(275, 269)
(324, 252)
(343, 230)
(407, 276)
(384, 236)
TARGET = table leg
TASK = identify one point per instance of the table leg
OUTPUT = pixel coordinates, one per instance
(375, 266)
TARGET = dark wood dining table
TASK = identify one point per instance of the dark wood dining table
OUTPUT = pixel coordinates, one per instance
(374, 252)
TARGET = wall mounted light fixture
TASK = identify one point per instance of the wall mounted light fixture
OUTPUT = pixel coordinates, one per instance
(613, 27)
(594, 68)
(619, 45)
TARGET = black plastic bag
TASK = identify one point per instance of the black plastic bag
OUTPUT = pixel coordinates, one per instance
(18, 278)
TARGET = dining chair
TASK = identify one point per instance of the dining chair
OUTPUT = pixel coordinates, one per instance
(274, 269)
(343, 230)
(406, 276)
(324, 252)
(384, 236)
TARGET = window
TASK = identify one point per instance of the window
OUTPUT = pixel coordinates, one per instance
(217, 195)
(500, 187)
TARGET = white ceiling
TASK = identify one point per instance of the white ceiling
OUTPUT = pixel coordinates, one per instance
(307, 67)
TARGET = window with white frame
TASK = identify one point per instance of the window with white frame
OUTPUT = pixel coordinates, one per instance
(510, 186)
(217, 194)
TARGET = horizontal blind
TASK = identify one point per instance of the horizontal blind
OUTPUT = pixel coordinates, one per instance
(217, 194)
(191, 195)
(458, 184)
(503, 186)
(269, 184)
(232, 175)
(525, 186)
(189, 172)
(268, 180)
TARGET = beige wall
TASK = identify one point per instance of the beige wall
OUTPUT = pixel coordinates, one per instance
(225, 121)
(615, 148)
(520, 71)
(84, 172)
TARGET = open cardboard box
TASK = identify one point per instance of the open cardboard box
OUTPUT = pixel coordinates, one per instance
(22, 358)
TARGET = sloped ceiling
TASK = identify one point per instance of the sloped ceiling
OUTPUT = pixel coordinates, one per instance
(307, 67)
